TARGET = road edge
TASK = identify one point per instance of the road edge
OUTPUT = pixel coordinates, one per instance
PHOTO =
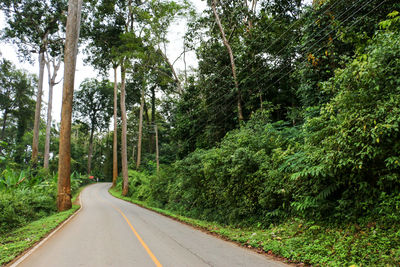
(19, 259)
(214, 234)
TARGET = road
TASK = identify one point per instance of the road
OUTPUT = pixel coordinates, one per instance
(112, 232)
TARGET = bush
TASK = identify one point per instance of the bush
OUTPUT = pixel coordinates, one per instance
(25, 197)
(24, 205)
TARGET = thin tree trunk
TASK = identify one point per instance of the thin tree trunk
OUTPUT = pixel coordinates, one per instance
(157, 152)
(52, 82)
(124, 157)
(48, 126)
(115, 141)
(133, 153)
(3, 130)
(139, 154)
(36, 125)
(153, 114)
(184, 62)
(90, 151)
(70, 53)
(147, 117)
(227, 45)
(177, 80)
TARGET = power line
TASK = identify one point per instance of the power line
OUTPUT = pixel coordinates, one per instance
(283, 76)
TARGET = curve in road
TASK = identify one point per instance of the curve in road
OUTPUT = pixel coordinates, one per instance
(112, 232)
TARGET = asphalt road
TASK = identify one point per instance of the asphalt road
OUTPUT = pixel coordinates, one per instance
(111, 232)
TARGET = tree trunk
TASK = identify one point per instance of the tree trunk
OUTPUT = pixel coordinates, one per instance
(48, 128)
(124, 157)
(227, 45)
(52, 82)
(157, 152)
(115, 142)
(133, 153)
(90, 151)
(153, 114)
(139, 154)
(147, 118)
(3, 130)
(184, 61)
(36, 125)
(178, 82)
(70, 53)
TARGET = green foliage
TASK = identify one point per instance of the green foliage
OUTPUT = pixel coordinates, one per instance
(304, 241)
(34, 25)
(15, 242)
(353, 145)
(340, 166)
(25, 197)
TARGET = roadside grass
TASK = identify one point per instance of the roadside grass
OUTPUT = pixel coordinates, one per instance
(307, 242)
(14, 243)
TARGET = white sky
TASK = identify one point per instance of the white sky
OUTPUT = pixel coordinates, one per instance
(174, 49)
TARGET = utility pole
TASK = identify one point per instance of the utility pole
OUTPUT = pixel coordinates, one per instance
(71, 51)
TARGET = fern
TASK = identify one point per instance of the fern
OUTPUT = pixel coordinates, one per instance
(324, 194)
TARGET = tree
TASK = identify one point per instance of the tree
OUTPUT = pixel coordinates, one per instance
(7, 92)
(233, 65)
(17, 105)
(102, 30)
(55, 63)
(93, 106)
(70, 53)
(331, 31)
(31, 25)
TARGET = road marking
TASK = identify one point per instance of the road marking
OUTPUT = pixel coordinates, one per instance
(157, 263)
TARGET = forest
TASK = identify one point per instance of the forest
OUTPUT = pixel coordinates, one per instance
(287, 126)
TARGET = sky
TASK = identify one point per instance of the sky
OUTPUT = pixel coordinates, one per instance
(174, 49)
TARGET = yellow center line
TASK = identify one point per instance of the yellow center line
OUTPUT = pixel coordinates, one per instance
(156, 262)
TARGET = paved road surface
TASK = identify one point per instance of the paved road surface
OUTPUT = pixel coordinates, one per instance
(112, 232)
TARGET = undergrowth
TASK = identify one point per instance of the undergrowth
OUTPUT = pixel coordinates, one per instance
(305, 241)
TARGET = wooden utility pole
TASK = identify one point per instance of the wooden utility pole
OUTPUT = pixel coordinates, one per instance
(70, 53)
(115, 140)
(233, 65)
(157, 153)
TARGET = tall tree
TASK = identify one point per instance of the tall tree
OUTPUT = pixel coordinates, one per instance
(140, 135)
(93, 106)
(7, 93)
(124, 155)
(51, 63)
(115, 134)
(70, 54)
(103, 28)
(232, 59)
(16, 104)
(30, 25)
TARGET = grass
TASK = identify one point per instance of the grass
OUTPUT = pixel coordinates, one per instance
(308, 242)
(14, 243)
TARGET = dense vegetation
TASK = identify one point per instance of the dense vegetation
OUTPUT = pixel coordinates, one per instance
(289, 121)
(25, 197)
